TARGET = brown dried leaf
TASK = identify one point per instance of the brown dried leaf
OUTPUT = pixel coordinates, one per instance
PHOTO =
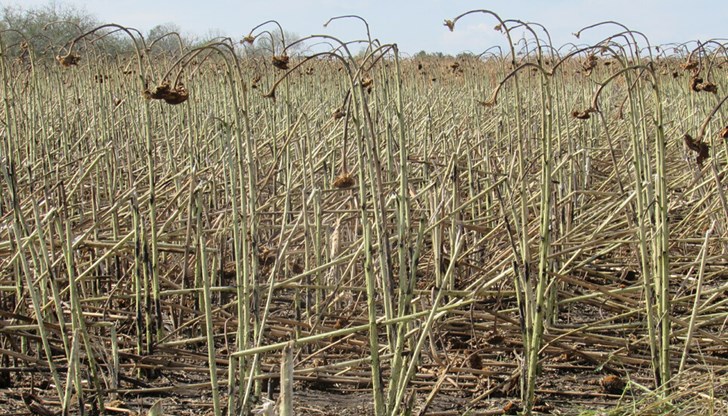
(512, 408)
(296, 268)
(699, 147)
(266, 256)
(474, 361)
(338, 114)
(612, 384)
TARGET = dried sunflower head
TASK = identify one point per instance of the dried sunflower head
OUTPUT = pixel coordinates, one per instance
(690, 65)
(280, 61)
(582, 115)
(159, 92)
(178, 95)
(249, 39)
(709, 87)
(695, 83)
(450, 24)
(367, 83)
(164, 91)
(68, 60)
(590, 63)
(344, 180)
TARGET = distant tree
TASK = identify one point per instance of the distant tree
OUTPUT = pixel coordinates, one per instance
(266, 43)
(166, 38)
(431, 55)
(45, 28)
(212, 34)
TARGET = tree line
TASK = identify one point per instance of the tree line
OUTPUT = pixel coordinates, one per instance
(45, 30)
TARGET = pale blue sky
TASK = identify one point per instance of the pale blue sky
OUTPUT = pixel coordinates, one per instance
(417, 25)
